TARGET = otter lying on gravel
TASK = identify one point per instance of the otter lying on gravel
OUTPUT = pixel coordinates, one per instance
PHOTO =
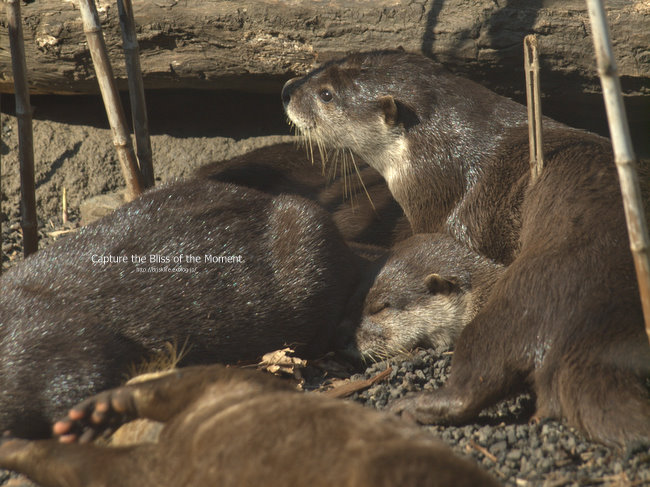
(564, 318)
(229, 271)
(230, 427)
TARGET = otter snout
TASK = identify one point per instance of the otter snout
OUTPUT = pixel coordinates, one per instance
(287, 90)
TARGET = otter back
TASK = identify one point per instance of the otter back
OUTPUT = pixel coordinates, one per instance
(364, 213)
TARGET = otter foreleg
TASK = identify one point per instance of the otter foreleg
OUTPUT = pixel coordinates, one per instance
(487, 366)
(157, 399)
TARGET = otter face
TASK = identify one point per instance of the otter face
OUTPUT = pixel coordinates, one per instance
(428, 313)
(339, 108)
(422, 294)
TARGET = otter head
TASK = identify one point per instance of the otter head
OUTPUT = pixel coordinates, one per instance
(423, 295)
(430, 313)
(354, 105)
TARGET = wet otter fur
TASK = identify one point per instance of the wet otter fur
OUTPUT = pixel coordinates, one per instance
(70, 327)
(231, 427)
(422, 294)
(564, 319)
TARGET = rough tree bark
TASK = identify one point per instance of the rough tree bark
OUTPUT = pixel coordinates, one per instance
(255, 44)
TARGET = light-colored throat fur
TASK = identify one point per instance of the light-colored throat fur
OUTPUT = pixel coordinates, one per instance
(392, 163)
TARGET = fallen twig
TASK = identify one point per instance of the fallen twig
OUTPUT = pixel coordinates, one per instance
(482, 450)
(349, 388)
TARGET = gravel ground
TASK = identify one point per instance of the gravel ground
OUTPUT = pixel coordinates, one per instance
(517, 452)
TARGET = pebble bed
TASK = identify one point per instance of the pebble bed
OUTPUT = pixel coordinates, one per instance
(503, 441)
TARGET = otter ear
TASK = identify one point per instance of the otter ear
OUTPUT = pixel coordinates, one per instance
(389, 107)
(436, 284)
(397, 112)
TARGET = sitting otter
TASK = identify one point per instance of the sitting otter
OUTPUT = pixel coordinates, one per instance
(231, 427)
(565, 317)
(422, 294)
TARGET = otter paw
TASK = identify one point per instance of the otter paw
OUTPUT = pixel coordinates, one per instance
(97, 416)
(430, 408)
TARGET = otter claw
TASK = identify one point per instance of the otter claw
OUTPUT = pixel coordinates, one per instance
(415, 408)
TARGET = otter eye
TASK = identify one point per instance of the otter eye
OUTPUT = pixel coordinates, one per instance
(325, 95)
(378, 307)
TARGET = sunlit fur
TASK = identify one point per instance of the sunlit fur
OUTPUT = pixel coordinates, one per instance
(433, 321)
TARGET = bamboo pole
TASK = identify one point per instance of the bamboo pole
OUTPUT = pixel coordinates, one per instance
(1, 251)
(534, 103)
(28, 220)
(136, 91)
(623, 153)
(64, 206)
(114, 111)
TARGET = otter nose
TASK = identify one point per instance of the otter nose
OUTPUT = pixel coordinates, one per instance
(287, 90)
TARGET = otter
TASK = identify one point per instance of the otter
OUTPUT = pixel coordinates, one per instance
(564, 319)
(364, 213)
(228, 271)
(232, 427)
(422, 294)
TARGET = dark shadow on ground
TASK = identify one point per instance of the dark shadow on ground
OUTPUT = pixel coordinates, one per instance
(182, 113)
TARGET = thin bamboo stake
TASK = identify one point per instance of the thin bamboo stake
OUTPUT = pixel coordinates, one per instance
(114, 111)
(534, 102)
(136, 91)
(28, 220)
(623, 153)
(1, 251)
(64, 206)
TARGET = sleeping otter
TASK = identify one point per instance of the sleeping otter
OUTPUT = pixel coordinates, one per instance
(565, 317)
(231, 427)
(422, 294)
(229, 271)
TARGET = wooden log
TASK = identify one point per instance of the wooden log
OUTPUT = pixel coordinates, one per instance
(256, 44)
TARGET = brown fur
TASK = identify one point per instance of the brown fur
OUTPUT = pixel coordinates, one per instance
(230, 427)
(69, 328)
(565, 317)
